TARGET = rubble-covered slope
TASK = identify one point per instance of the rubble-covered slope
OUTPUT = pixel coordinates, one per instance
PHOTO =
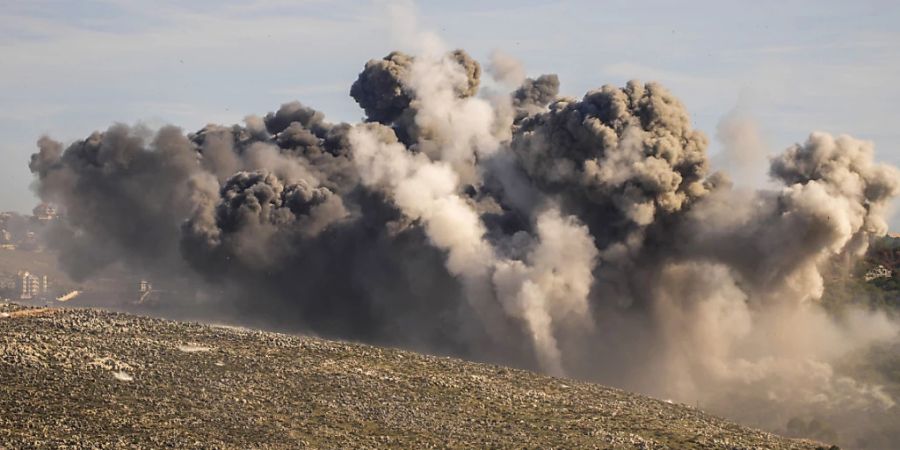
(86, 378)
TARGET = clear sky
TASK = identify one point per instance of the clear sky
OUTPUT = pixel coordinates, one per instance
(70, 67)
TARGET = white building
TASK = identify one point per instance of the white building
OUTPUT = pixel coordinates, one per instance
(877, 272)
(45, 212)
(30, 286)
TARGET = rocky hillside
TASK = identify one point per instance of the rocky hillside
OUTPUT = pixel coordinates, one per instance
(92, 379)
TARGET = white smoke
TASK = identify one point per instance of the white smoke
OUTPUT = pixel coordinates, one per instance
(550, 287)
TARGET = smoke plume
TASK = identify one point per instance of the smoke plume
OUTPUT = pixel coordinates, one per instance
(580, 237)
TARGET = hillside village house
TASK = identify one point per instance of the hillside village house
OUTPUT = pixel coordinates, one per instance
(29, 286)
(877, 272)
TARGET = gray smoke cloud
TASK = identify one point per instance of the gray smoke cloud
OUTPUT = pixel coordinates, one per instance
(125, 194)
(534, 95)
(585, 238)
(744, 150)
(245, 222)
(380, 89)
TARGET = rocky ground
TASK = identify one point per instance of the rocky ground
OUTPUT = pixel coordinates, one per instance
(91, 379)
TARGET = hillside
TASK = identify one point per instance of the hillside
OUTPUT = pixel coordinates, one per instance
(74, 378)
(851, 282)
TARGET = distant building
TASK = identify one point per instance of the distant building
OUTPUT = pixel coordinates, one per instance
(877, 272)
(44, 212)
(29, 286)
(6, 237)
(30, 242)
(6, 241)
(145, 289)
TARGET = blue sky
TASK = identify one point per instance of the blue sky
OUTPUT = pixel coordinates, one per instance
(71, 67)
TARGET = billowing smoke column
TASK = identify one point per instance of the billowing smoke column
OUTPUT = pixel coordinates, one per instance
(577, 237)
